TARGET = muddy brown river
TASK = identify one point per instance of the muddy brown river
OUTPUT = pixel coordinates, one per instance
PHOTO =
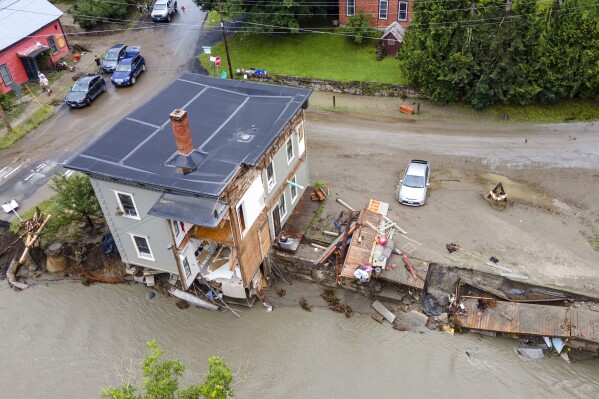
(65, 340)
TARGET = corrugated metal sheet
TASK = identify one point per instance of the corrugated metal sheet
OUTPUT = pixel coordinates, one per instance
(21, 18)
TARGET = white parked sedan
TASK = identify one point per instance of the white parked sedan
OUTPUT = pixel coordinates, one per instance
(414, 185)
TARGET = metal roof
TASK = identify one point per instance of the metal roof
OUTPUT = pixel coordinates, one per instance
(232, 123)
(21, 18)
(200, 211)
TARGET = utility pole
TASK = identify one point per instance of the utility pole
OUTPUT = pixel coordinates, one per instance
(5, 120)
(222, 28)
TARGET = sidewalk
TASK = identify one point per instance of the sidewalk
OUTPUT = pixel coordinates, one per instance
(59, 88)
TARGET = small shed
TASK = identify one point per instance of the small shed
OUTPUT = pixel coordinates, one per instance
(392, 38)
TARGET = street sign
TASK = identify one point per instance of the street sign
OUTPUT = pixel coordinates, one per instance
(207, 49)
(217, 61)
(212, 59)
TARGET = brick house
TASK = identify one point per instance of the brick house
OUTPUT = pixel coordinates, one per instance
(390, 16)
(28, 31)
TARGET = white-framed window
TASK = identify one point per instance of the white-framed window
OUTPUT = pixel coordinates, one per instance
(290, 152)
(270, 176)
(383, 9)
(351, 7)
(186, 267)
(282, 207)
(402, 13)
(127, 205)
(142, 246)
(293, 189)
(52, 44)
(5, 74)
(176, 228)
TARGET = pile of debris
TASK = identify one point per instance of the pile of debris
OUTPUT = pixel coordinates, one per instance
(335, 303)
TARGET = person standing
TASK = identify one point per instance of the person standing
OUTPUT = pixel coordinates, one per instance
(98, 64)
(44, 83)
(139, 8)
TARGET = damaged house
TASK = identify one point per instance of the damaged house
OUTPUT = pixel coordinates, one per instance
(199, 181)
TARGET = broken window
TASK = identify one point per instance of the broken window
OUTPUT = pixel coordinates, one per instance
(290, 154)
(176, 228)
(186, 267)
(402, 14)
(293, 189)
(383, 9)
(127, 205)
(143, 247)
(270, 176)
(241, 217)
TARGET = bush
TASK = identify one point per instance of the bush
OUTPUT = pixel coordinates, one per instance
(359, 28)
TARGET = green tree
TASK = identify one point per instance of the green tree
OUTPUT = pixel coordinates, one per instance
(569, 51)
(89, 13)
(489, 51)
(261, 16)
(161, 380)
(358, 27)
(75, 199)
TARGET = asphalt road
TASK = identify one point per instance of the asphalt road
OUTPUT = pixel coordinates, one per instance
(169, 49)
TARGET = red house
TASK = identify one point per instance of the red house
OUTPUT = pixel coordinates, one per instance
(31, 39)
(392, 17)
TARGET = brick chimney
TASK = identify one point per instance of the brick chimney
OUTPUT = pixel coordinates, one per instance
(181, 131)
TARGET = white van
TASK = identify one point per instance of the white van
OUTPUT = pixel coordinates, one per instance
(163, 9)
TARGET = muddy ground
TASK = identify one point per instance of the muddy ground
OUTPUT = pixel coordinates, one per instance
(548, 232)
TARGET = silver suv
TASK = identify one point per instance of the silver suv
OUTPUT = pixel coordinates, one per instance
(413, 186)
(163, 9)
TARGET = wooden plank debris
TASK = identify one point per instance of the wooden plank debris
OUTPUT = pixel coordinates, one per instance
(517, 318)
(386, 313)
(361, 247)
(516, 276)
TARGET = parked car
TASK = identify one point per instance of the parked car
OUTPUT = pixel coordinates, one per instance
(112, 57)
(85, 90)
(128, 70)
(414, 185)
(163, 9)
(131, 51)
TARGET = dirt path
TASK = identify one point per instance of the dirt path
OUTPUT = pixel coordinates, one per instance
(550, 172)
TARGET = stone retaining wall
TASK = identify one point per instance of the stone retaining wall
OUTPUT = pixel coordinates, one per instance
(335, 86)
(304, 269)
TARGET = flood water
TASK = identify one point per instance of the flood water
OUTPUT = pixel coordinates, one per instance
(65, 340)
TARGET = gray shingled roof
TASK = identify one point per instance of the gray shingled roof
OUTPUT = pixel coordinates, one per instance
(220, 111)
(21, 18)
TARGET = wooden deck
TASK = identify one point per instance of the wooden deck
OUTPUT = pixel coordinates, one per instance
(585, 324)
(524, 318)
(297, 223)
(401, 275)
(360, 253)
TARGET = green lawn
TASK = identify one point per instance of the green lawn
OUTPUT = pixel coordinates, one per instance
(307, 55)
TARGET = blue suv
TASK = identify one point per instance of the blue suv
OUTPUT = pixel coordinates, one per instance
(128, 70)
